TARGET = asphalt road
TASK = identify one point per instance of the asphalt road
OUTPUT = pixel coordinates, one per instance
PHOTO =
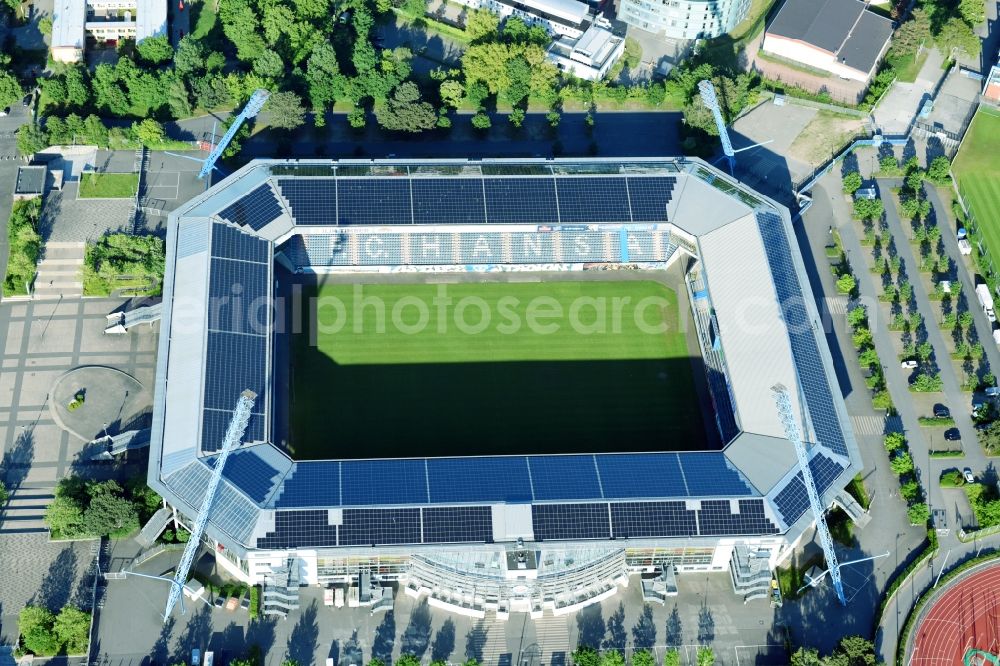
(644, 134)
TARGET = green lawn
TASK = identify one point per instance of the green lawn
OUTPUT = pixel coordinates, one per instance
(501, 388)
(108, 185)
(977, 169)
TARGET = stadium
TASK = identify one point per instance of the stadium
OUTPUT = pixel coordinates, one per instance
(502, 385)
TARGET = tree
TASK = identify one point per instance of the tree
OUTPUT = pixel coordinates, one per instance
(35, 625)
(4, 495)
(285, 110)
(612, 658)
(910, 491)
(10, 90)
(108, 93)
(643, 658)
(938, 170)
(356, 118)
(323, 76)
(155, 50)
(846, 283)
(45, 25)
(672, 657)
(407, 660)
(857, 316)
(852, 182)
(806, 657)
(585, 656)
(859, 651)
(109, 512)
(189, 57)
(149, 132)
(989, 437)
(77, 87)
(894, 441)
(451, 93)
(481, 121)
(30, 139)
(956, 35)
(901, 463)
(64, 516)
(72, 628)
(269, 65)
(972, 12)
(481, 24)
(405, 112)
(868, 209)
(240, 25)
(918, 514)
(706, 656)
(54, 89)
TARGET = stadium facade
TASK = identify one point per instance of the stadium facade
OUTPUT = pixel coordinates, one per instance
(493, 532)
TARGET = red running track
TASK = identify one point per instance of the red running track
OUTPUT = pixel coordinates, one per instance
(966, 615)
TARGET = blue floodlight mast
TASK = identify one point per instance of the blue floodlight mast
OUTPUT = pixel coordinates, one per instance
(793, 435)
(234, 435)
(707, 91)
(252, 108)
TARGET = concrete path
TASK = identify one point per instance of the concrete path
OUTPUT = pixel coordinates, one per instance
(902, 103)
(60, 272)
(25, 510)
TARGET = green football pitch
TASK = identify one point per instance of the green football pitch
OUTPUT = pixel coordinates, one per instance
(977, 169)
(396, 370)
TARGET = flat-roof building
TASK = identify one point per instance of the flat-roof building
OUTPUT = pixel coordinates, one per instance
(74, 22)
(589, 56)
(569, 18)
(837, 36)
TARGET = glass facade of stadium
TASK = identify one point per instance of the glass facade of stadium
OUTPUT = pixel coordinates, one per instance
(498, 533)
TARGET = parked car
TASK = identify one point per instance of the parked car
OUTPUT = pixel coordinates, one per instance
(328, 596)
(909, 364)
(245, 601)
(992, 391)
(967, 473)
(952, 435)
(941, 412)
(195, 657)
(220, 601)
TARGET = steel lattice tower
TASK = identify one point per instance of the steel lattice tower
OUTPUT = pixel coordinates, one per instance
(793, 435)
(710, 100)
(252, 108)
(234, 435)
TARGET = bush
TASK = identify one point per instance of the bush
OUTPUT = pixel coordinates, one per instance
(901, 463)
(254, 609)
(852, 182)
(846, 284)
(25, 244)
(952, 478)
(72, 629)
(84, 509)
(894, 441)
(36, 626)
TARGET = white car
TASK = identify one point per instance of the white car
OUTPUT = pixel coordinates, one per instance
(967, 473)
(992, 391)
(908, 364)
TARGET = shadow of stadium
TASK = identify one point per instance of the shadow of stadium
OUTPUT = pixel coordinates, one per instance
(449, 409)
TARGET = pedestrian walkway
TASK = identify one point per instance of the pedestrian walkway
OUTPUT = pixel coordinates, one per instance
(25, 511)
(875, 425)
(60, 272)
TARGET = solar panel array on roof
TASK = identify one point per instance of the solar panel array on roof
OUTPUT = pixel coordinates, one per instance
(256, 209)
(543, 199)
(236, 354)
(562, 522)
(367, 527)
(249, 473)
(717, 518)
(652, 519)
(312, 201)
(458, 524)
(805, 349)
(792, 500)
(293, 529)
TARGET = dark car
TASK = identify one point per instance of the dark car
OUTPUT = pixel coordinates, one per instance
(941, 412)
(220, 601)
(952, 434)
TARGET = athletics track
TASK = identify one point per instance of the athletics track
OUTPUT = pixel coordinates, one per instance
(966, 615)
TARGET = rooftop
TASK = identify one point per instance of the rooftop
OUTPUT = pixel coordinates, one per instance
(68, 17)
(30, 180)
(150, 18)
(844, 28)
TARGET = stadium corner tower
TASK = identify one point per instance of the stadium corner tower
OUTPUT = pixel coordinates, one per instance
(494, 529)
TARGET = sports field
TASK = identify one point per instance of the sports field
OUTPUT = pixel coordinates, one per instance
(977, 169)
(492, 368)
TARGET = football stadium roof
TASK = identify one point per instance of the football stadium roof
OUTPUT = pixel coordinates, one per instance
(758, 326)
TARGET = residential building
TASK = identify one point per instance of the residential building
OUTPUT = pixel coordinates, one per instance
(837, 36)
(684, 19)
(591, 55)
(77, 22)
(567, 18)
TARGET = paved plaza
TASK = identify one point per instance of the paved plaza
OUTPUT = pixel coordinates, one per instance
(706, 611)
(40, 342)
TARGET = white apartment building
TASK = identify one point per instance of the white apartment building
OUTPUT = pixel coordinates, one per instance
(568, 18)
(591, 55)
(76, 21)
(684, 19)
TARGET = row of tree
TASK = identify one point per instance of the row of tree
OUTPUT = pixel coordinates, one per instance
(45, 634)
